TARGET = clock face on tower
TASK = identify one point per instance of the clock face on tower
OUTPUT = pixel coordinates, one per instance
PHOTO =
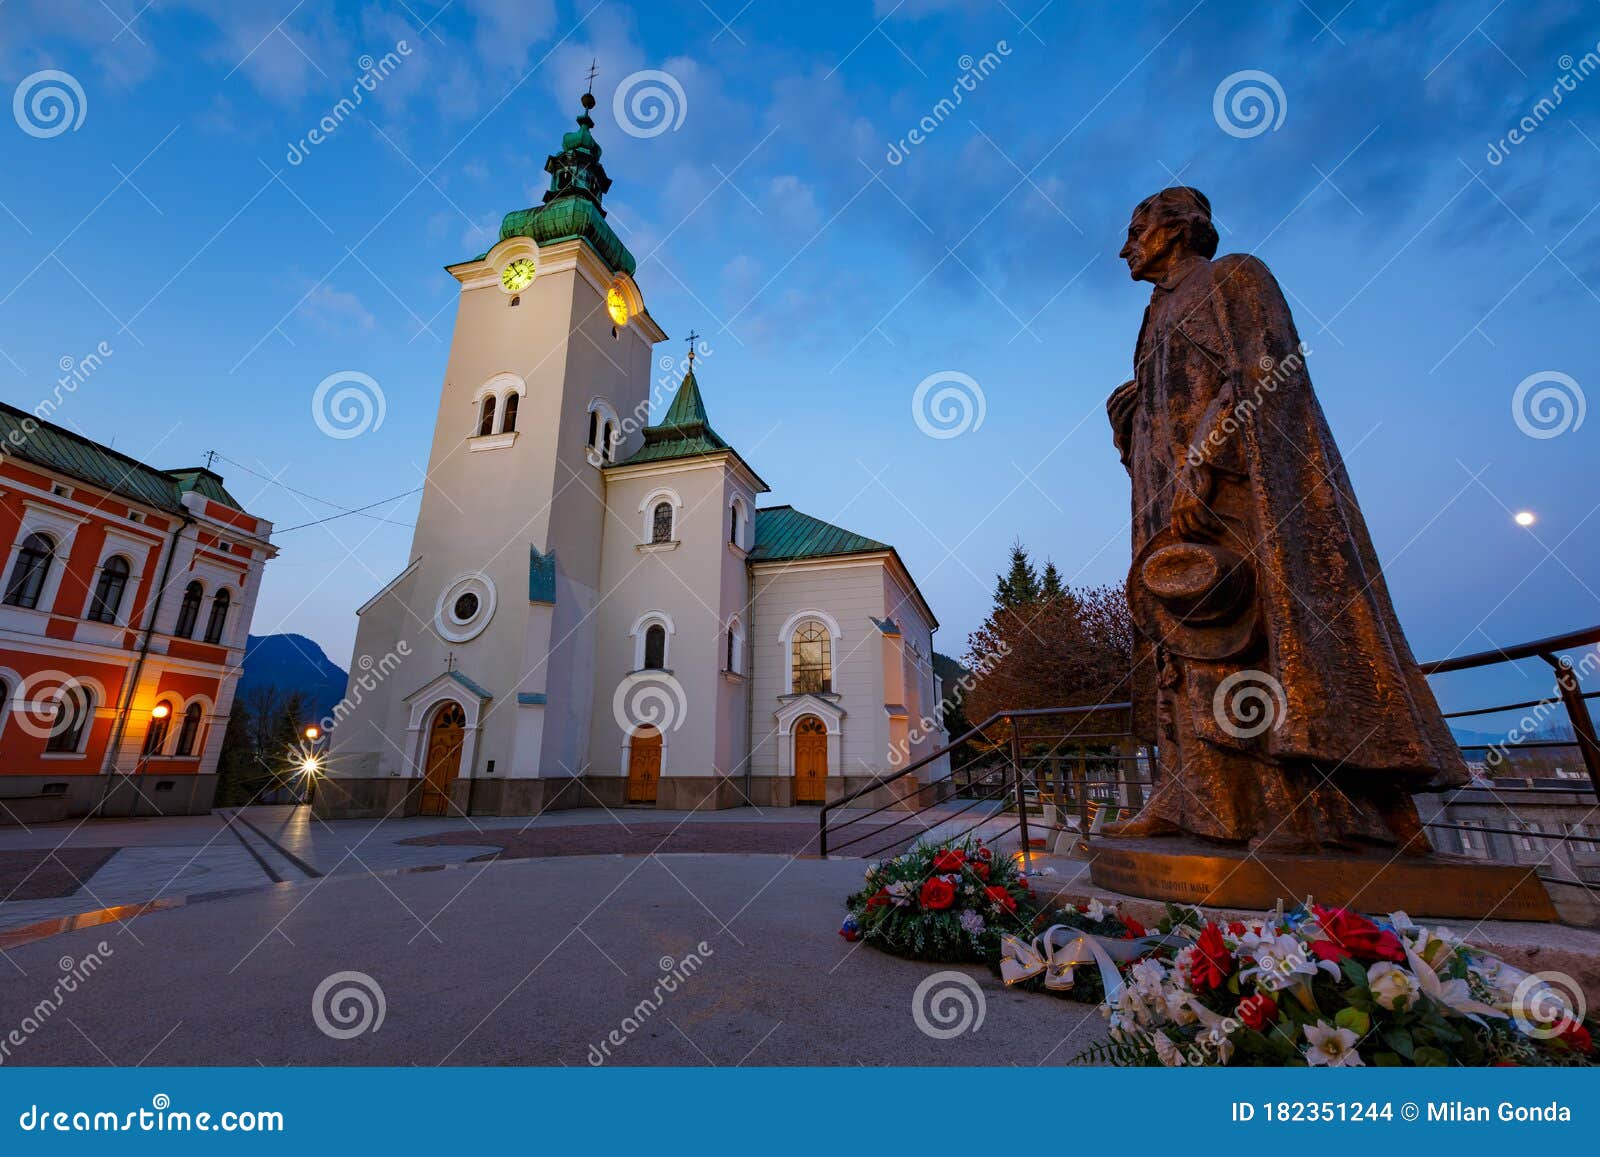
(617, 306)
(518, 275)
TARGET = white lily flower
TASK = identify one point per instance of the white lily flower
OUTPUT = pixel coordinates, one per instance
(1280, 962)
(1333, 1047)
(1096, 910)
(1453, 995)
(1169, 1053)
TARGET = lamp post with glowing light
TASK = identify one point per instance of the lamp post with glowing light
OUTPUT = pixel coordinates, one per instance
(153, 737)
(310, 761)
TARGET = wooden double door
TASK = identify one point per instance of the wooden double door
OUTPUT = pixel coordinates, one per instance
(644, 765)
(810, 760)
(446, 736)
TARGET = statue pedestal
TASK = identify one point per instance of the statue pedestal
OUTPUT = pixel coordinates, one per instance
(1212, 876)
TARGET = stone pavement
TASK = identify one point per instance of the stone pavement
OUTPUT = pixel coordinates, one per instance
(523, 962)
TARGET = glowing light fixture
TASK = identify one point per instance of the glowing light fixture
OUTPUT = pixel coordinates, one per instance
(160, 711)
(313, 732)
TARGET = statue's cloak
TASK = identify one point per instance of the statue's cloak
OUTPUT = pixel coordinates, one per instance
(1220, 377)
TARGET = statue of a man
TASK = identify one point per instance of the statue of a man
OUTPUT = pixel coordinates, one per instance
(1270, 671)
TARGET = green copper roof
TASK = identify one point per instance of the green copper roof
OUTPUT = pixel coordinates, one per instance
(32, 439)
(683, 432)
(782, 532)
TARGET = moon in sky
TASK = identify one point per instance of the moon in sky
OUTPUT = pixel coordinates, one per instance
(1525, 518)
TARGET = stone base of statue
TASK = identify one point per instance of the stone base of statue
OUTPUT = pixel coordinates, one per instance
(1188, 871)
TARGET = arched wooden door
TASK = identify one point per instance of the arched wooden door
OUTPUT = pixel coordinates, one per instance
(810, 760)
(446, 734)
(644, 765)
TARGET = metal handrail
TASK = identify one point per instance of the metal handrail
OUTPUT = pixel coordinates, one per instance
(1534, 650)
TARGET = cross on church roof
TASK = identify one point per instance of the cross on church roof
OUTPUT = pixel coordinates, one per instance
(692, 338)
(592, 71)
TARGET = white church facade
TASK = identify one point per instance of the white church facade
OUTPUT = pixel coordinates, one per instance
(598, 611)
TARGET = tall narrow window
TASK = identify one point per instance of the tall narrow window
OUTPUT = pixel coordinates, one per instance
(661, 523)
(508, 423)
(72, 716)
(655, 647)
(189, 611)
(109, 590)
(812, 657)
(189, 733)
(155, 739)
(28, 575)
(486, 422)
(733, 524)
(594, 429)
(219, 616)
(732, 665)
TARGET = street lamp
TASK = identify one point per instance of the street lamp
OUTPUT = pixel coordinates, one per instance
(313, 732)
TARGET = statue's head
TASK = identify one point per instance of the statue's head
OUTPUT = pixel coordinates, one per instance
(1166, 228)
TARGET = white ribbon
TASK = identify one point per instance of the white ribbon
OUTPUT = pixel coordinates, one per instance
(1022, 960)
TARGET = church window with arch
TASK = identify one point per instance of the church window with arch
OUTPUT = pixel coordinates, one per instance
(661, 522)
(486, 418)
(811, 659)
(655, 647)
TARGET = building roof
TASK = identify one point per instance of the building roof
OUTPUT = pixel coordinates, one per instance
(684, 432)
(32, 439)
(782, 532)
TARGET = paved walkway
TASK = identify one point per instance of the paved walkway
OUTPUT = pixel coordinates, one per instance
(157, 859)
(522, 962)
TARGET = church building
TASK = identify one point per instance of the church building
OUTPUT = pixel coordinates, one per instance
(597, 609)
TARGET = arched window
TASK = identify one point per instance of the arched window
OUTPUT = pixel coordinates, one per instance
(508, 421)
(655, 647)
(155, 739)
(811, 651)
(189, 611)
(735, 656)
(219, 616)
(72, 719)
(594, 430)
(189, 733)
(109, 590)
(28, 575)
(733, 524)
(486, 422)
(661, 523)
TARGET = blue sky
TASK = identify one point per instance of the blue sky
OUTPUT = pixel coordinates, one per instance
(828, 280)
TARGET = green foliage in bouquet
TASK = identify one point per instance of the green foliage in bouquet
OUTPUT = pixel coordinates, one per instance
(945, 902)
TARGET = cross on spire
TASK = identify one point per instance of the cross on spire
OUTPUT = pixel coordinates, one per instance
(693, 337)
(592, 71)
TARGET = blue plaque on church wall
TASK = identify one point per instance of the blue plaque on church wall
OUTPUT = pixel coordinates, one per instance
(541, 576)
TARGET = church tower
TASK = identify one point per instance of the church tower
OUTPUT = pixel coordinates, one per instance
(474, 668)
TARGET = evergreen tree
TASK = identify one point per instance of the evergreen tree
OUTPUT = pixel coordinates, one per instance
(1019, 586)
(1051, 588)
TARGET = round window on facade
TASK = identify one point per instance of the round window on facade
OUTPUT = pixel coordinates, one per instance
(465, 608)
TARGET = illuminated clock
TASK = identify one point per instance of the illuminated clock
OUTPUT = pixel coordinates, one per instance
(617, 305)
(518, 275)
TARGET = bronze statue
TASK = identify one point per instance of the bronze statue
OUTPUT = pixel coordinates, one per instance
(1270, 670)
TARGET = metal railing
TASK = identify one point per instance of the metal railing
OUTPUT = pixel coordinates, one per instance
(1030, 763)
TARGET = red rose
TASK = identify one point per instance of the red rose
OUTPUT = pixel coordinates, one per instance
(937, 893)
(1572, 1034)
(1001, 897)
(949, 860)
(985, 854)
(1258, 1011)
(1236, 927)
(1211, 964)
(1348, 934)
(879, 899)
(1135, 929)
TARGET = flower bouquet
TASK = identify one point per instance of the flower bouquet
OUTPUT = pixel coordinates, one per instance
(1328, 987)
(946, 902)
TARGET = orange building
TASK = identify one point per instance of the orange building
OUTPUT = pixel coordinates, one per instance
(125, 600)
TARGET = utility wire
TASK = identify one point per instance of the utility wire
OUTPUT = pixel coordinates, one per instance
(344, 510)
(357, 510)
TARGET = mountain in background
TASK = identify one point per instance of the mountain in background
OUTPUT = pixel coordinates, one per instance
(293, 663)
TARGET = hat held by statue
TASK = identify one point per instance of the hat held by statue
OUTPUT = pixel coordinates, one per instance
(1195, 598)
